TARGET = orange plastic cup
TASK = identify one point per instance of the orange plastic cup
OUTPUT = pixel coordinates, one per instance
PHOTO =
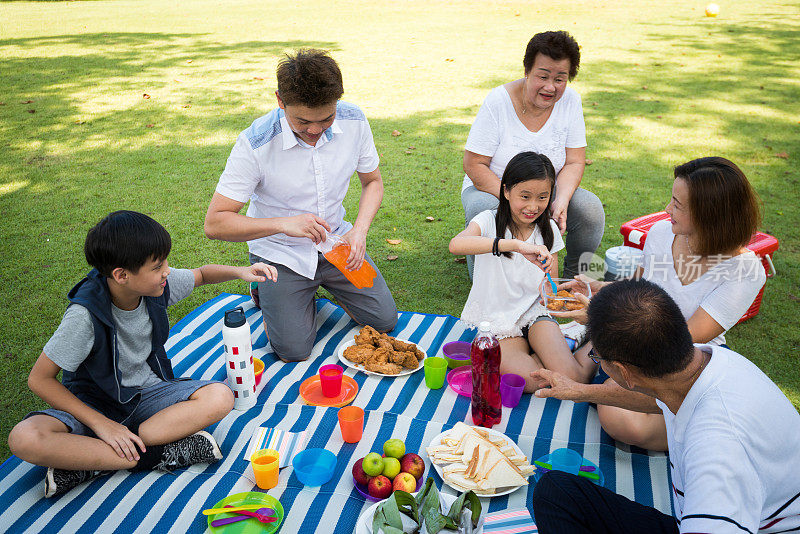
(361, 277)
(265, 467)
(351, 423)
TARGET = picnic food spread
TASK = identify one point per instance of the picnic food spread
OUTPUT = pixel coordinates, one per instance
(381, 353)
(564, 301)
(479, 460)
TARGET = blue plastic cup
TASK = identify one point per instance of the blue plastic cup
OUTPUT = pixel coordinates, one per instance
(566, 460)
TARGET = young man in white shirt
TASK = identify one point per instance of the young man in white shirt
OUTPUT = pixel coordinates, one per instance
(732, 433)
(294, 166)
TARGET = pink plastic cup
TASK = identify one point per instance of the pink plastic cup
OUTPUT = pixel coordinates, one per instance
(330, 378)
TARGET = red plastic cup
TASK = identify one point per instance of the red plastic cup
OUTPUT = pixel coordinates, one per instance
(330, 378)
(351, 423)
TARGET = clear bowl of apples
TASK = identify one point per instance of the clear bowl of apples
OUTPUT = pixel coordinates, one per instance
(376, 476)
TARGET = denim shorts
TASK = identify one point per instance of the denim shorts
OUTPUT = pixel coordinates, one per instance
(153, 400)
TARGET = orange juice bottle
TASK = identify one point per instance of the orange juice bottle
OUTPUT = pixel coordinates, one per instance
(337, 255)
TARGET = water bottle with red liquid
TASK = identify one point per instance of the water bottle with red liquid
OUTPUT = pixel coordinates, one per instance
(485, 354)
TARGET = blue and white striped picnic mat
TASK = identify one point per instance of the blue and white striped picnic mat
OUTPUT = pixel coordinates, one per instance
(396, 407)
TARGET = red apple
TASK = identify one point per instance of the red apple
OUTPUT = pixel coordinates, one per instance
(380, 487)
(405, 482)
(359, 475)
(413, 464)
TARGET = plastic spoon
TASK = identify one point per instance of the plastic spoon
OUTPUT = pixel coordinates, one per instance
(214, 511)
(261, 514)
(552, 284)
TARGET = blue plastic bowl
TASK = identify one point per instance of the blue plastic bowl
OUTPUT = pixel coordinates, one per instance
(314, 467)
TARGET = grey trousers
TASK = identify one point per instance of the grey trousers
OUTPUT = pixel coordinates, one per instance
(290, 314)
(586, 222)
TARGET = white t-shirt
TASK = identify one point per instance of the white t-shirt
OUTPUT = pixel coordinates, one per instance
(505, 291)
(733, 449)
(283, 177)
(498, 133)
(725, 291)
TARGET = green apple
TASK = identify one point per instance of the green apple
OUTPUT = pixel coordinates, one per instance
(373, 464)
(394, 448)
(391, 467)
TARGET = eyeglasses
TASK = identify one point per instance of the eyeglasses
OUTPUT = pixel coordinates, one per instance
(593, 356)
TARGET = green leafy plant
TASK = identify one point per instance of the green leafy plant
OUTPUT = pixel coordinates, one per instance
(424, 509)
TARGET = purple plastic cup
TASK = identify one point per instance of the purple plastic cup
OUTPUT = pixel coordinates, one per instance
(457, 353)
(511, 386)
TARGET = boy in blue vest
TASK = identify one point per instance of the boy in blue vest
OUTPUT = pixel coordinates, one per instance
(118, 405)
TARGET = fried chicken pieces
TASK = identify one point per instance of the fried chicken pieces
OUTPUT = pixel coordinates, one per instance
(565, 305)
(380, 353)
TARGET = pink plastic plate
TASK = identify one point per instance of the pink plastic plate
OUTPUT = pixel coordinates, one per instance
(460, 379)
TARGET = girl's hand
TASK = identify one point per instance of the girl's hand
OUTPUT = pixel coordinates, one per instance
(358, 248)
(536, 254)
(120, 438)
(578, 316)
(251, 273)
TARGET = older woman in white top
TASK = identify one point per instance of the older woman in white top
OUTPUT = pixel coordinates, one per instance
(538, 113)
(700, 259)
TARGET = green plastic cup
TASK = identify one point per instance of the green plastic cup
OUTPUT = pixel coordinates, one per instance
(435, 372)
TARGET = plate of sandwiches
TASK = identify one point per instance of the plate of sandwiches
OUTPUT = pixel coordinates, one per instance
(479, 459)
(379, 354)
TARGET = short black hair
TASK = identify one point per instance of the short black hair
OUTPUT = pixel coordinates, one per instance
(555, 45)
(126, 239)
(310, 78)
(637, 322)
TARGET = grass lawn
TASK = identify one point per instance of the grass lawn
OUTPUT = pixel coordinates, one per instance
(107, 105)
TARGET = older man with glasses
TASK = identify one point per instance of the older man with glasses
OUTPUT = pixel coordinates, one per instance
(732, 433)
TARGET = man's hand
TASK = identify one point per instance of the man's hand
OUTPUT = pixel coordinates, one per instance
(358, 247)
(253, 273)
(120, 438)
(306, 225)
(558, 386)
(558, 210)
(536, 254)
(579, 316)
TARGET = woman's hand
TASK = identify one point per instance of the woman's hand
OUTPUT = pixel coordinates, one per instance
(250, 273)
(120, 438)
(558, 210)
(578, 285)
(536, 254)
(358, 247)
(578, 316)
